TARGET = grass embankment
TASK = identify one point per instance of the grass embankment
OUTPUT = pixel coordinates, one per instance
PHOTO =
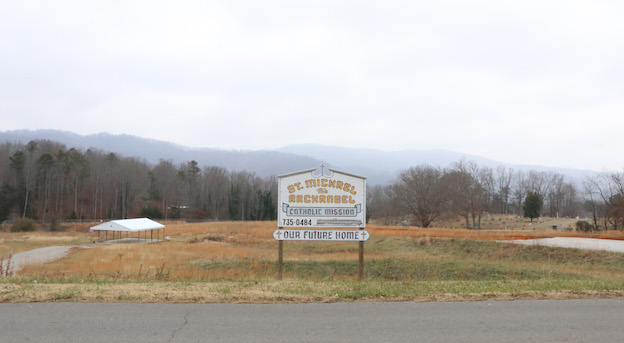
(237, 262)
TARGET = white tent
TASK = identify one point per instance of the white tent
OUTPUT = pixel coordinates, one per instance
(128, 226)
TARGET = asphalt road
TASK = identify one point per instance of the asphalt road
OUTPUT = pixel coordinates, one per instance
(487, 321)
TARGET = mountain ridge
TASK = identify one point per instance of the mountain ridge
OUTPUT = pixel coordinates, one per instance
(263, 163)
(380, 167)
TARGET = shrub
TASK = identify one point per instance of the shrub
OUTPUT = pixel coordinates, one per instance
(55, 225)
(23, 225)
(152, 212)
(584, 226)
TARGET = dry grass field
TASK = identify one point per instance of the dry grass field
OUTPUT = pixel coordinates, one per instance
(237, 262)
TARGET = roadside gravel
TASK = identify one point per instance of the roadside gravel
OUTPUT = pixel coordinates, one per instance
(575, 242)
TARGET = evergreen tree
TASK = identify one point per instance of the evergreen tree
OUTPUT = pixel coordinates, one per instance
(533, 205)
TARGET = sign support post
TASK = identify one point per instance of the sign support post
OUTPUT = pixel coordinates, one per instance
(280, 258)
(361, 259)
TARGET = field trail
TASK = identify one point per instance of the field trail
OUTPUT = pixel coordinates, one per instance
(37, 256)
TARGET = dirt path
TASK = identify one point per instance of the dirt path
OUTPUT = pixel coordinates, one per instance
(41, 255)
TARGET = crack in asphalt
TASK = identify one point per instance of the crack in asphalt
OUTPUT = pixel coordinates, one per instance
(186, 320)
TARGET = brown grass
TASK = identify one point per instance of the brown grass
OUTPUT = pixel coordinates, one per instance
(239, 258)
(243, 250)
(175, 259)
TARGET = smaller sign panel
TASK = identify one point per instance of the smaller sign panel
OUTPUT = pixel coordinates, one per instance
(321, 235)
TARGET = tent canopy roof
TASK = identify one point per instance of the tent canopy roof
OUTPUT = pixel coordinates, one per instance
(131, 225)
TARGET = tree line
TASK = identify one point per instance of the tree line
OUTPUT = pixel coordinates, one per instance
(44, 180)
(424, 194)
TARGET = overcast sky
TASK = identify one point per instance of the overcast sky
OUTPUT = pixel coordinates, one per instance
(536, 82)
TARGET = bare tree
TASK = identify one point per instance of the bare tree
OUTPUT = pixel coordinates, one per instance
(381, 204)
(470, 185)
(541, 182)
(503, 182)
(606, 192)
(420, 193)
(133, 185)
(165, 179)
(520, 190)
(562, 197)
(592, 200)
(215, 191)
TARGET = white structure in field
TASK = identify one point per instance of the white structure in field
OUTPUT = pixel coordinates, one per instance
(129, 225)
(321, 197)
(140, 226)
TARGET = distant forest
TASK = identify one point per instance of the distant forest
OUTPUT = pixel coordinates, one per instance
(45, 180)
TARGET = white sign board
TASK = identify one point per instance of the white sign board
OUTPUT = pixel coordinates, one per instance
(321, 235)
(321, 197)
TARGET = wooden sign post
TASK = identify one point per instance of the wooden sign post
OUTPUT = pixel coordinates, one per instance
(321, 197)
(361, 261)
(280, 273)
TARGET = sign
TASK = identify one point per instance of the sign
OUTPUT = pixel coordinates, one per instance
(321, 235)
(321, 197)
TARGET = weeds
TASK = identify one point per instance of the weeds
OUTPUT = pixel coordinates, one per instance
(67, 294)
(6, 268)
(161, 273)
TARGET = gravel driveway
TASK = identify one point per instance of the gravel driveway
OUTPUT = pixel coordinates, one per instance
(575, 242)
(41, 255)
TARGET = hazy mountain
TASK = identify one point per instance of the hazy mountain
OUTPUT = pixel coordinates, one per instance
(263, 163)
(378, 166)
(382, 166)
